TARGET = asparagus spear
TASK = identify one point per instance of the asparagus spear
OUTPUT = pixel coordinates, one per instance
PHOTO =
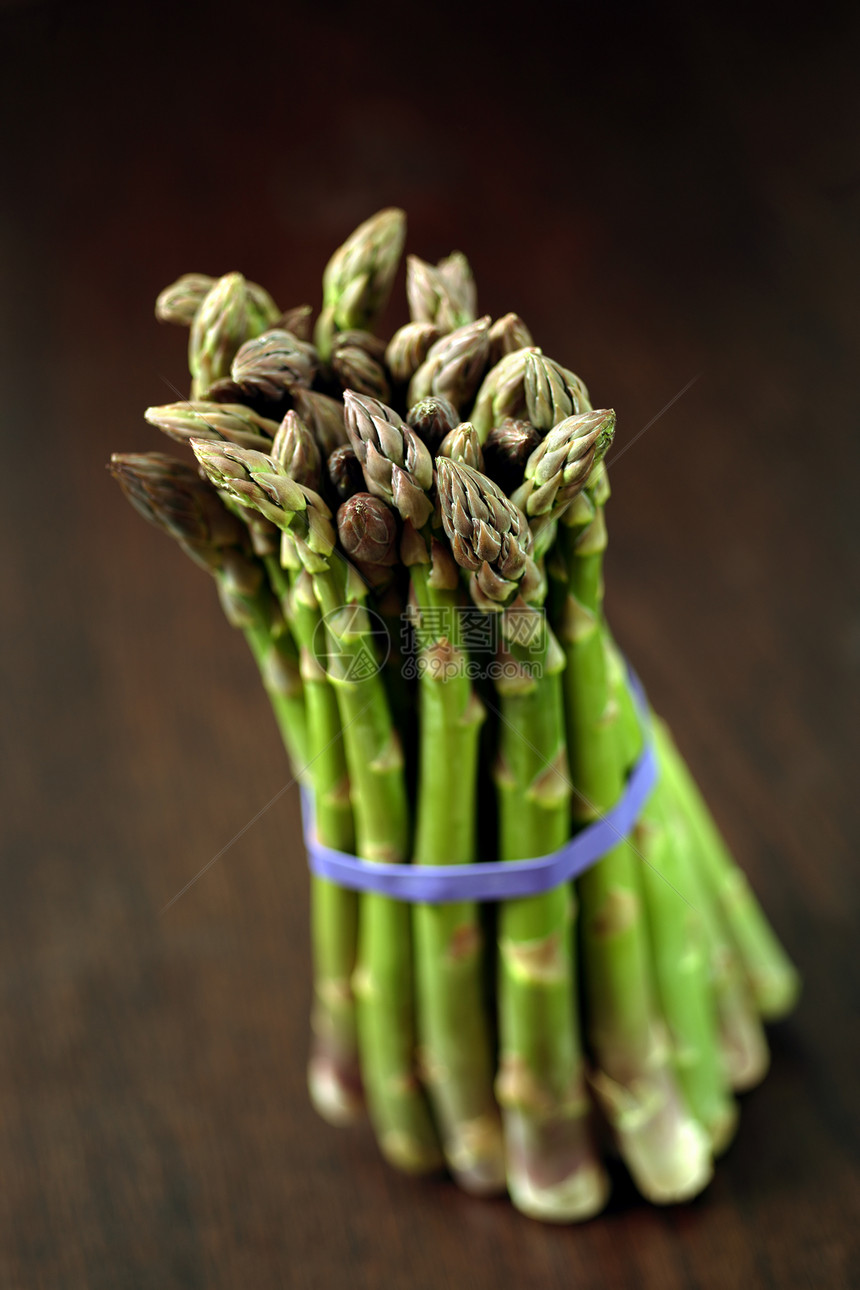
(296, 450)
(344, 472)
(452, 1023)
(205, 420)
(334, 1078)
(431, 419)
(323, 416)
(684, 940)
(553, 1168)
(231, 423)
(454, 365)
(408, 349)
(443, 294)
(229, 314)
(455, 273)
(172, 496)
(179, 302)
(358, 338)
(356, 369)
(507, 448)
(674, 908)
(462, 444)
(396, 463)
(502, 393)
(382, 981)
(740, 1038)
(296, 320)
(772, 978)
(507, 335)
(552, 392)
(557, 469)
(273, 363)
(663, 1145)
(358, 278)
(368, 532)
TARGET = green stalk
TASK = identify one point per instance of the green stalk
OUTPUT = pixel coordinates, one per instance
(390, 604)
(455, 1041)
(275, 654)
(681, 945)
(681, 970)
(279, 676)
(554, 1172)
(663, 1145)
(772, 977)
(334, 1077)
(741, 1042)
(382, 981)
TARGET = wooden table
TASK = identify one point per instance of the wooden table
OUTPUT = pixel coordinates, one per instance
(672, 204)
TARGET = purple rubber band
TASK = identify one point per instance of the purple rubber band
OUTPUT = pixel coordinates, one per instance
(494, 880)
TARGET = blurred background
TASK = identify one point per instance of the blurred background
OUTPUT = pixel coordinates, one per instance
(670, 197)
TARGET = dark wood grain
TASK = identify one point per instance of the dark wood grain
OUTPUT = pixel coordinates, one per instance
(663, 197)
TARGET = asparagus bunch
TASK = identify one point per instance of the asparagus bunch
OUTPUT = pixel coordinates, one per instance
(411, 536)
